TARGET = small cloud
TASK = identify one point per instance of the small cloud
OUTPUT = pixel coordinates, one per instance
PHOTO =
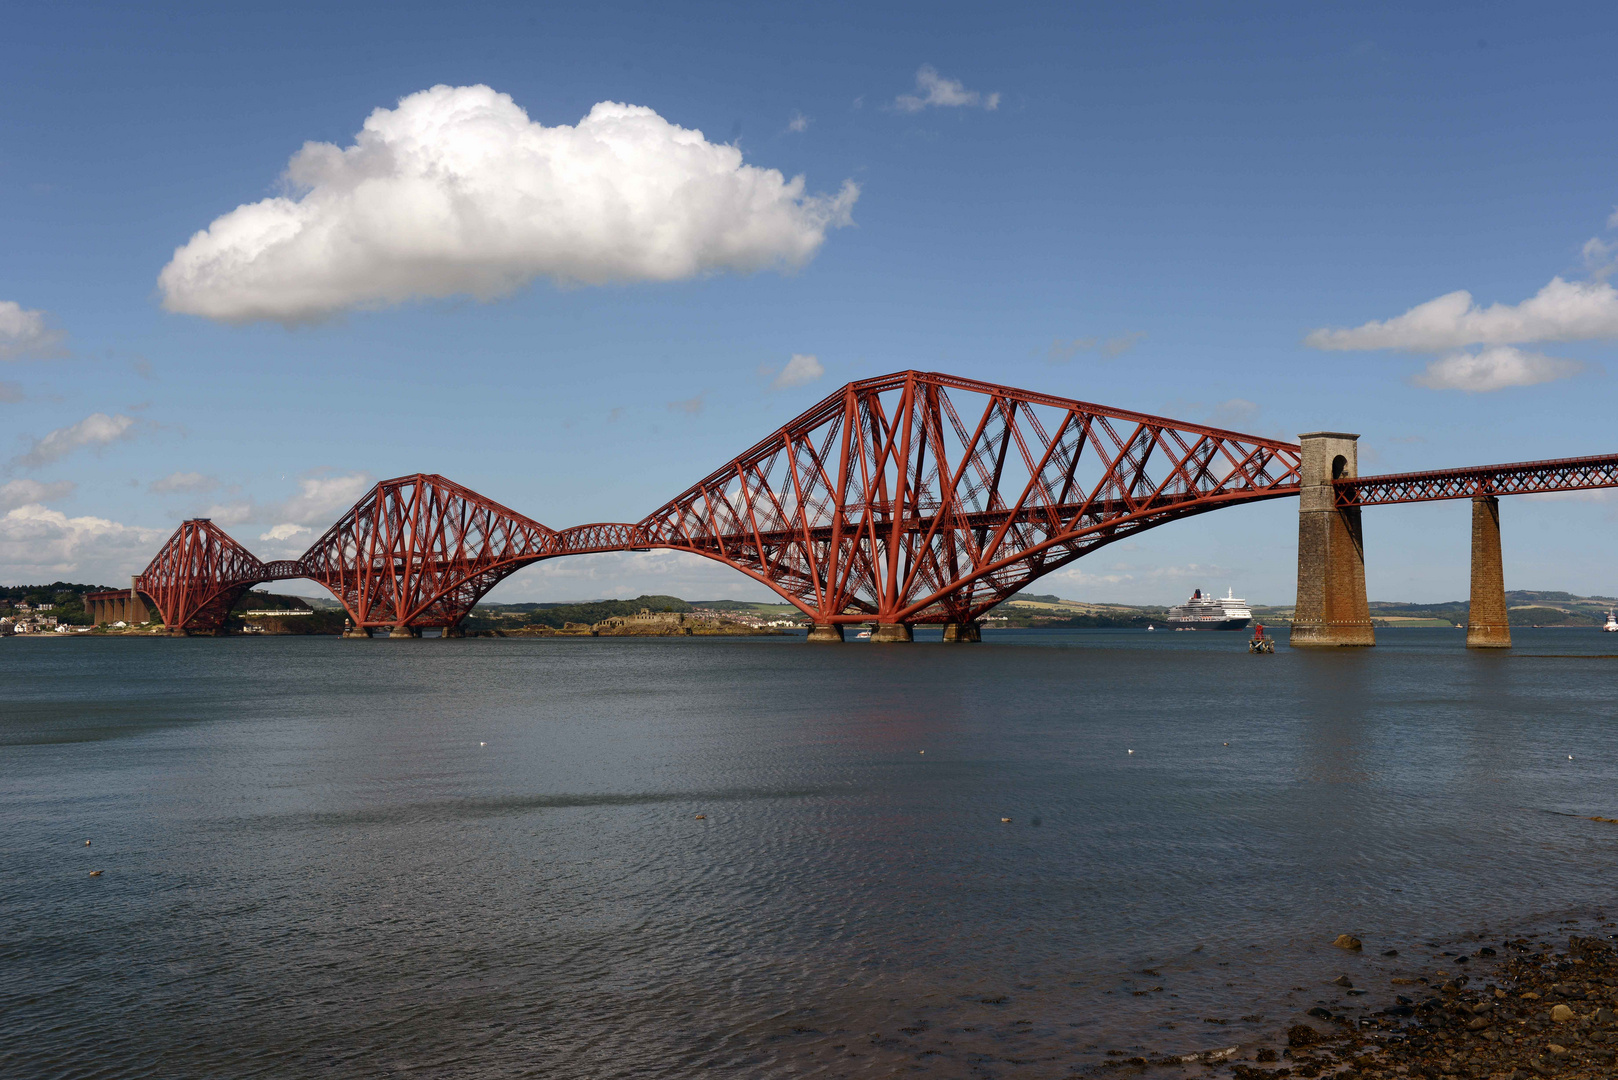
(1612, 222)
(859, 102)
(1561, 311)
(183, 482)
(226, 515)
(97, 430)
(1495, 369)
(26, 335)
(28, 492)
(799, 122)
(322, 499)
(1233, 414)
(143, 368)
(934, 89)
(11, 392)
(802, 368)
(287, 530)
(690, 406)
(1063, 351)
(1591, 495)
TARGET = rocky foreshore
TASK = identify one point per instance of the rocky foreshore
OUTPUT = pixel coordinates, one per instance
(1515, 1009)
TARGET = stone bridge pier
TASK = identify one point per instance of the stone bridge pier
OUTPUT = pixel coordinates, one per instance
(1486, 625)
(1332, 609)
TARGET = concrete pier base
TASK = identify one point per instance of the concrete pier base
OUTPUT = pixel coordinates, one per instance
(826, 632)
(404, 632)
(357, 632)
(963, 631)
(892, 631)
(1331, 609)
(1486, 624)
(454, 631)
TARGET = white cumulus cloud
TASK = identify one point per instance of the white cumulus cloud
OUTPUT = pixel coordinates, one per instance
(1561, 311)
(25, 334)
(287, 530)
(802, 368)
(457, 191)
(321, 500)
(1494, 369)
(37, 543)
(799, 122)
(934, 89)
(97, 429)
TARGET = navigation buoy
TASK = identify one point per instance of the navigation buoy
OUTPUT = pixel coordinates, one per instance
(87, 843)
(1132, 751)
(483, 744)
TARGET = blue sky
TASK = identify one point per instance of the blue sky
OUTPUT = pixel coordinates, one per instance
(1202, 188)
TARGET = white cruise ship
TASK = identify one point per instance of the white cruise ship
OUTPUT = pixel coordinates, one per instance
(1210, 613)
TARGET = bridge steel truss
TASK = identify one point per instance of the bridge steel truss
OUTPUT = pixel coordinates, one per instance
(1522, 478)
(198, 576)
(919, 497)
(910, 498)
(913, 497)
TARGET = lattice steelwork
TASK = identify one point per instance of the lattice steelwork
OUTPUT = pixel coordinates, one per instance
(420, 551)
(1566, 474)
(915, 497)
(921, 497)
(199, 575)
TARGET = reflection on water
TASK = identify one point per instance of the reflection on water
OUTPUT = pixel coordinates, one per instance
(485, 857)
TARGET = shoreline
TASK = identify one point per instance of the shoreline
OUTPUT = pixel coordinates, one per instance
(1540, 1003)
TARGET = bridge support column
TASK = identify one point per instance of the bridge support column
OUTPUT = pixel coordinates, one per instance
(455, 631)
(970, 630)
(1331, 609)
(826, 632)
(358, 632)
(402, 631)
(892, 631)
(1486, 624)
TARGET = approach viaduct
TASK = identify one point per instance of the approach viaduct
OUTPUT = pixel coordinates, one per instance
(911, 498)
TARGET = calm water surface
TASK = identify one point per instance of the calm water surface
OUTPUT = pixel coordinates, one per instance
(484, 858)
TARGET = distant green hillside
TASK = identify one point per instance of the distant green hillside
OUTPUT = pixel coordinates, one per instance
(1524, 607)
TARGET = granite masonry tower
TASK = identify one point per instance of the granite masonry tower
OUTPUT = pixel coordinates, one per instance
(1331, 609)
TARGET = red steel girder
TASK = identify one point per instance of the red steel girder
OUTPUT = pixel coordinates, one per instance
(881, 501)
(198, 576)
(913, 497)
(1521, 478)
(421, 551)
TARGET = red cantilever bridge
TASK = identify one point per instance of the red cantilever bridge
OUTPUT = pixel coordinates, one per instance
(910, 498)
